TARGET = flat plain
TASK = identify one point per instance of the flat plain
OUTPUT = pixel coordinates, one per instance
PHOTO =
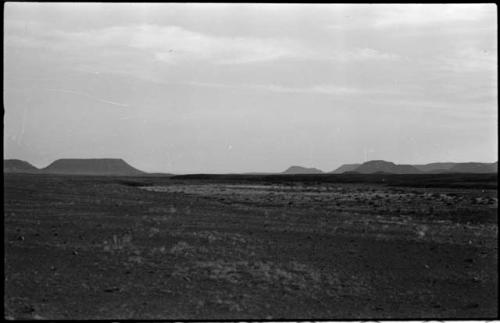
(251, 247)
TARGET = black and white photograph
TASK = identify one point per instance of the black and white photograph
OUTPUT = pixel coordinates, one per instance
(250, 161)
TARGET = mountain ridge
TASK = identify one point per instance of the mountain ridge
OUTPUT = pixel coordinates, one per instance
(374, 166)
(91, 166)
(18, 166)
(345, 168)
(119, 167)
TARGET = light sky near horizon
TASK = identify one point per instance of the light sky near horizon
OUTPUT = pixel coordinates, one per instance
(220, 88)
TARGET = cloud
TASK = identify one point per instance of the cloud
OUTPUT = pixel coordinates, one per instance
(411, 15)
(168, 44)
(469, 60)
(427, 14)
(172, 45)
(329, 89)
(315, 89)
(363, 54)
(79, 93)
(455, 103)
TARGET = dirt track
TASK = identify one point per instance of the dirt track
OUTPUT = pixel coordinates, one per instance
(90, 248)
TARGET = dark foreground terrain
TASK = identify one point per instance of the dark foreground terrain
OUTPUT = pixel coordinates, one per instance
(293, 247)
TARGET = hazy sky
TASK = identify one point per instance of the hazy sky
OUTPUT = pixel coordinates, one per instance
(250, 87)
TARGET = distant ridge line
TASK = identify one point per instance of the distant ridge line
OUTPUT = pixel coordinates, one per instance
(374, 166)
(119, 167)
(76, 166)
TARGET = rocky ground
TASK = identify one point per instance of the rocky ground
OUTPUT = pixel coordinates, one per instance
(114, 248)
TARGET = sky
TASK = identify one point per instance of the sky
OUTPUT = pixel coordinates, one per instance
(221, 88)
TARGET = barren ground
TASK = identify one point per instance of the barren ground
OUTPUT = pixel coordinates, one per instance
(157, 248)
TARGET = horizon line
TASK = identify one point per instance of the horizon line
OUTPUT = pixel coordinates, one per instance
(249, 171)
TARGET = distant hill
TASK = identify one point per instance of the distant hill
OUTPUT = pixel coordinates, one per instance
(104, 166)
(118, 167)
(472, 167)
(435, 167)
(345, 168)
(494, 167)
(302, 170)
(382, 166)
(475, 168)
(406, 169)
(18, 166)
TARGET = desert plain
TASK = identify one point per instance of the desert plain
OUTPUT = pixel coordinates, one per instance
(251, 247)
